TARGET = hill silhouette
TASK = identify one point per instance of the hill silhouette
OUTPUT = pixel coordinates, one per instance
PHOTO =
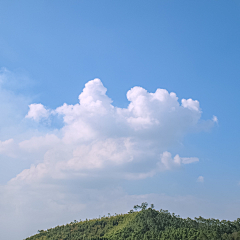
(147, 223)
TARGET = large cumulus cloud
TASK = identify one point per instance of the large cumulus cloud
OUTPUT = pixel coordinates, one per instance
(97, 136)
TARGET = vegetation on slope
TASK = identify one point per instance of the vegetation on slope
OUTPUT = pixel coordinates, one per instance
(141, 225)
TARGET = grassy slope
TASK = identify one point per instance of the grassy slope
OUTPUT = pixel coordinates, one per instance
(104, 227)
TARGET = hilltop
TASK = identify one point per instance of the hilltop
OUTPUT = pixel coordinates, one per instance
(147, 223)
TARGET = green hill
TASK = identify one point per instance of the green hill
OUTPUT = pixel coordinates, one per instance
(147, 223)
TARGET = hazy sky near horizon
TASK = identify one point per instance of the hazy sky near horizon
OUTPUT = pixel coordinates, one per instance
(108, 104)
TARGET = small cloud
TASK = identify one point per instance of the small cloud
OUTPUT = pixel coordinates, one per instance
(189, 160)
(37, 111)
(191, 104)
(215, 119)
(169, 163)
(200, 179)
(137, 176)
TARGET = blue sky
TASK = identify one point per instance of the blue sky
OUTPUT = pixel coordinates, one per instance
(92, 156)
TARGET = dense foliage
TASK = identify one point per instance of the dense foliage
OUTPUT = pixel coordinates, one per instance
(141, 225)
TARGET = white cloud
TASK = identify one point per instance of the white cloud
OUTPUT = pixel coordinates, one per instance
(37, 111)
(200, 179)
(97, 136)
(215, 119)
(137, 176)
(167, 162)
(191, 104)
(189, 160)
(95, 155)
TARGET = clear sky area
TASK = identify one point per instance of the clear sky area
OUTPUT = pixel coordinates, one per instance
(108, 104)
